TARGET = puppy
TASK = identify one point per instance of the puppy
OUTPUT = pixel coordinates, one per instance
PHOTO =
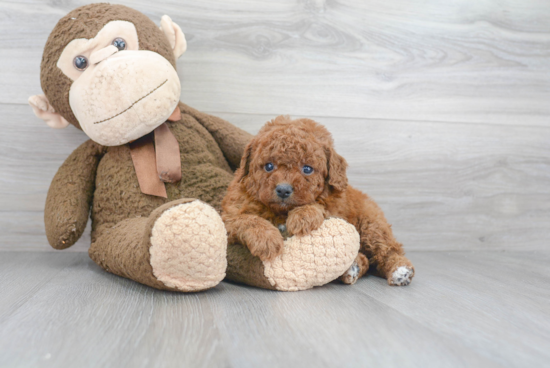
(290, 180)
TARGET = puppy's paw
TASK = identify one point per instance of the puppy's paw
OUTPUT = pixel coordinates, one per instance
(402, 276)
(357, 269)
(265, 244)
(303, 220)
(351, 275)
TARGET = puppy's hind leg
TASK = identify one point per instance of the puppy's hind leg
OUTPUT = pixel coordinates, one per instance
(380, 246)
(358, 268)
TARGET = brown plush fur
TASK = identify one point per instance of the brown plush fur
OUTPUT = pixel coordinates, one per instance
(102, 180)
(252, 211)
(107, 175)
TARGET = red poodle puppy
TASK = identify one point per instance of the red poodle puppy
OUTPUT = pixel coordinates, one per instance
(290, 180)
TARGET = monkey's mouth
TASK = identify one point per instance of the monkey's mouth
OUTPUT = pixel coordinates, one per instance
(132, 105)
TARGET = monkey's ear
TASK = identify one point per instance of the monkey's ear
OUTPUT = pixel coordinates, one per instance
(44, 110)
(175, 36)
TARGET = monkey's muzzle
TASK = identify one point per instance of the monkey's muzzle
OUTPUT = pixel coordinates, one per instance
(125, 96)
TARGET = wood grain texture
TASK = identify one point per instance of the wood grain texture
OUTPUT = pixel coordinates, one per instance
(442, 186)
(483, 290)
(24, 273)
(468, 61)
(463, 309)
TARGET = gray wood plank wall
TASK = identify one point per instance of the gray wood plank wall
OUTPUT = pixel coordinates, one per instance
(442, 108)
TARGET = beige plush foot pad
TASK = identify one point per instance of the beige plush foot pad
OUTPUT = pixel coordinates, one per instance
(315, 259)
(188, 247)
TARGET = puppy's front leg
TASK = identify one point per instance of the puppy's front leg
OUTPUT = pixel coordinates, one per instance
(304, 219)
(262, 238)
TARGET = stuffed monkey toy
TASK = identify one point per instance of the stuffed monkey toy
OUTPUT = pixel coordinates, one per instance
(154, 172)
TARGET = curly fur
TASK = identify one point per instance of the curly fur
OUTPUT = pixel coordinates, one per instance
(252, 211)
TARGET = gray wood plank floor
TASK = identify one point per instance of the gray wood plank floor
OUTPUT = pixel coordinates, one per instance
(464, 309)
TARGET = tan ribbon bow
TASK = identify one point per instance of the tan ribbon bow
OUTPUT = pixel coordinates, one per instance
(157, 163)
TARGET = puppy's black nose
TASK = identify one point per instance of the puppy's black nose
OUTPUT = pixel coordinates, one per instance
(284, 190)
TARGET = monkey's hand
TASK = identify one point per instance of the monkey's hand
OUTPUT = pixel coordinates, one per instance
(70, 195)
(303, 220)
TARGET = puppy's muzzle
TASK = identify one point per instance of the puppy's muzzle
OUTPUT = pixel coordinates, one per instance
(284, 190)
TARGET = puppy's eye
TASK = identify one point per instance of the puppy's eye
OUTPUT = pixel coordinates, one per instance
(269, 167)
(119, 43)
(307, 170)
(80, 62)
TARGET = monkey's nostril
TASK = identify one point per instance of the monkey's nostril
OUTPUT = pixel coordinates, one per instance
(284, 190)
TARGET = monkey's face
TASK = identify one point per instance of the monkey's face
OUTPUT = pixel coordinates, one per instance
(115, 78)
(119, 93)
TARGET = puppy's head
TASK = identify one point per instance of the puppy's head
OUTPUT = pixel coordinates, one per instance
(291, 163)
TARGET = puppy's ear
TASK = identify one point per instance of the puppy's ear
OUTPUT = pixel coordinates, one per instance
(336, 165)
(244, 168)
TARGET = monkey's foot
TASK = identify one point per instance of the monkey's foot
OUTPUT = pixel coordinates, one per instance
(315, 259)
(188, 247)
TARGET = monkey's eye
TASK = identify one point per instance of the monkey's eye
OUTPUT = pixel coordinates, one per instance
(80, 62)
(269, 167)
(307, 170)
(119, 43)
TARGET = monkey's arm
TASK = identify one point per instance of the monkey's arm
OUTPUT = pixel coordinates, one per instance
(70, 195)
(232, 140)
